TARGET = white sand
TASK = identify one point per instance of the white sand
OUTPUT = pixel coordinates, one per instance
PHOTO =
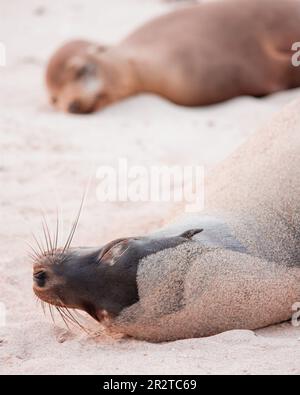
(46, 160)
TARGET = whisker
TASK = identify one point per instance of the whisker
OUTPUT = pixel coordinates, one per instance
(74, 227)
(56, 238)
(34, 251)
(40, 245)
(66, 311)
(48, 233)
(62, 317)
(38, 249)
(46, 238)
(43, 307)
(71, 235)
(76, 321)
(32, 256)
(51, 313)
(75, 312)
(69, 319)
(37, 300)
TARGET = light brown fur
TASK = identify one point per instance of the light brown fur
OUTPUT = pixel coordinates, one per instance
(195, 56)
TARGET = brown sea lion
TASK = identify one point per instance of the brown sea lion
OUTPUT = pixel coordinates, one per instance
(195, 56)
(239, 268)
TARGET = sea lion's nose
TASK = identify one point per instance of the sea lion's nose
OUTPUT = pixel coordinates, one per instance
(40, 278)
(74, 107)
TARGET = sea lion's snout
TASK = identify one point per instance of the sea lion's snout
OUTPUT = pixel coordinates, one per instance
(62, 278)
(46, 283)
(74, 107)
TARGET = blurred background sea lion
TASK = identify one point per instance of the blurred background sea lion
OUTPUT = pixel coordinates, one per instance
(193, 56)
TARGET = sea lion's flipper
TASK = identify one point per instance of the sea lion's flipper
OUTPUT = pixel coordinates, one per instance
(191, 233)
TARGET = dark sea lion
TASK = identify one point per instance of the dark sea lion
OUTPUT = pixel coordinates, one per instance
(76, 275)
(241, 272)
(194, 56)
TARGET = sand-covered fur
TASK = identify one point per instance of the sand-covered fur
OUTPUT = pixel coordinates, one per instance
(193, 290)
(257, 189)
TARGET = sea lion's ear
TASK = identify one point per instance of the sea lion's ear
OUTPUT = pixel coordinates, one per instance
(112, 251)
(191, 233)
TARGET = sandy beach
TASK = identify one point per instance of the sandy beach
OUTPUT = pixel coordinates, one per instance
(47, 160)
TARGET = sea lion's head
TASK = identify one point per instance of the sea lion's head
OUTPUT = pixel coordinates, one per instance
(101, 281)
(78, 81)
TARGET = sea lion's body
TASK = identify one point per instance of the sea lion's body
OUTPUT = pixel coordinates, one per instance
(239, 270)
(243, 270)
(196, 56)
(192, 292)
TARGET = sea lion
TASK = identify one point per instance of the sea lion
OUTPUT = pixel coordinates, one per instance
(195, 56)
(238, 268)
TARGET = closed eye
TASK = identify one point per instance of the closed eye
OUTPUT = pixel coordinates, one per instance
(82, 71)
(85, 70)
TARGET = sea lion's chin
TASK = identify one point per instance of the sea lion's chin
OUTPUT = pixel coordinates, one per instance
(47, 297)
(44, 297)
(84, 108)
